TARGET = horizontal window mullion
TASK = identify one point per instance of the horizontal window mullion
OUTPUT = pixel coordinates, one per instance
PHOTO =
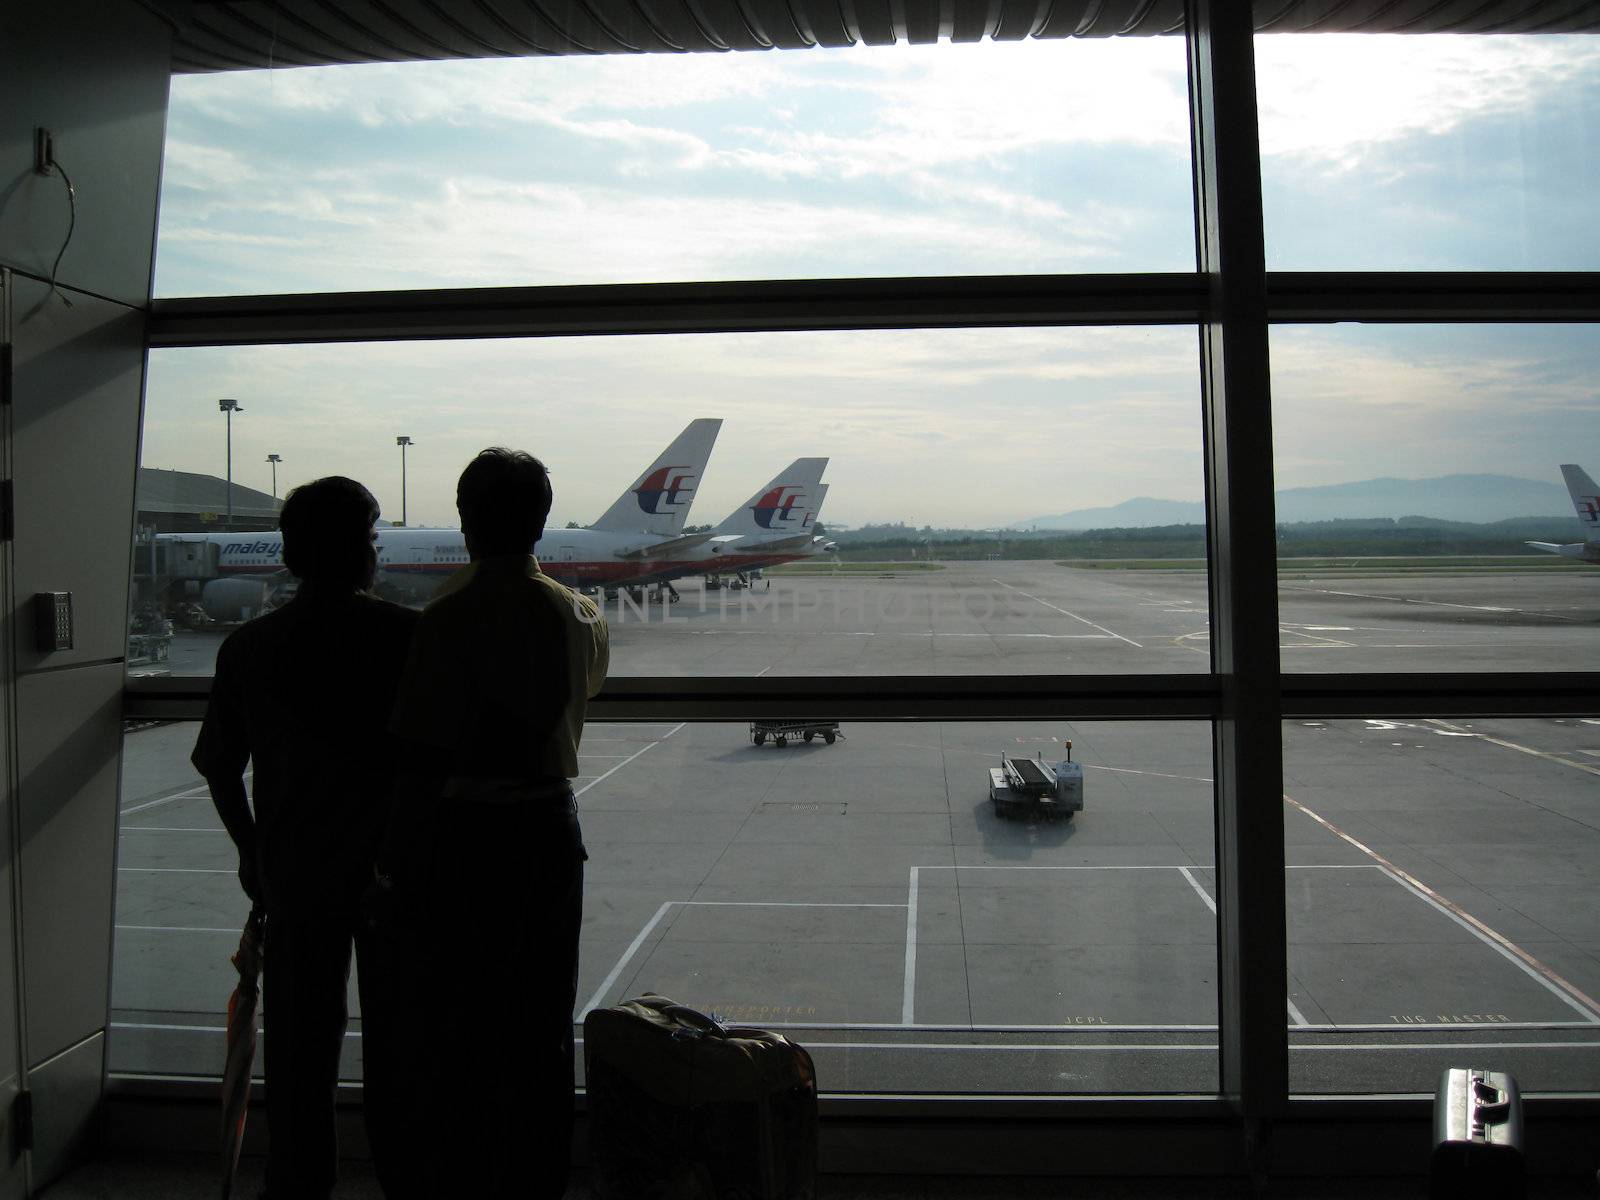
(897, 303)
(960, 698)
(767, 306)
(1403, 296)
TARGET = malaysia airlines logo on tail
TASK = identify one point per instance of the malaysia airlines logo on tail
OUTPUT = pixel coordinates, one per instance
(777, 505)
(663, 487)
(1589, 509)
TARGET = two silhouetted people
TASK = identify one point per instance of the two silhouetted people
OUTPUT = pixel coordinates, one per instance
(465, 920)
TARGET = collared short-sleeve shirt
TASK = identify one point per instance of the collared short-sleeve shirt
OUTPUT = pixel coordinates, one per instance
(501, 670)
(303, 696)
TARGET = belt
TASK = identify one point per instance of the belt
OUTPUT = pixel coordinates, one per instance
(553, 795)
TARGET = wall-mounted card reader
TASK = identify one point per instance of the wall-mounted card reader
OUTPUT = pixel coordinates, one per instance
(52, 615)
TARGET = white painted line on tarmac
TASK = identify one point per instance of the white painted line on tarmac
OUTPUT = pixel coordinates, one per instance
(182, 870)
(908, 986)
(1201, 892)
(188, 794)
(1073, 615)
(1132, 771)
(180, 928)
(211, 1029)
(1532, 612)
(126, 829)
(1295, 1015)
(1188, 1048)
(1545, 754)
(1536, 970)
(627, 956)
(629, 759)
(780, 904)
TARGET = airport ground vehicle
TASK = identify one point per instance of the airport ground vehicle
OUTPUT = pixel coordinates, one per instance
(1031, 787)
(781, 731)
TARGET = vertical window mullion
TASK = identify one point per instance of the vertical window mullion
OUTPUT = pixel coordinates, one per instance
(1235, 387)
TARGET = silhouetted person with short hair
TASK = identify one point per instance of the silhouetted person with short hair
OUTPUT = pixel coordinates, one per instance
(304, 695)
(486, 836)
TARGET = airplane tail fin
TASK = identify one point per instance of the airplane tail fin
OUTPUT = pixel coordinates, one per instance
(786, 504)
(658, 501)
(1585, 498)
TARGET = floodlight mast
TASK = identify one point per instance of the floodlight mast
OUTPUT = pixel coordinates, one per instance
(274, 459)
(402, 441)
(228, 407)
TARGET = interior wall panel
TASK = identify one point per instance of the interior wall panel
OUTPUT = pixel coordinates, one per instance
(78, 373)
(69, 738)
(65, 1088)
(95, 74)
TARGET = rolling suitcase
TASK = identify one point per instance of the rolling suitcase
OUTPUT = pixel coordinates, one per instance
(1477, 1126)
(682, 1107)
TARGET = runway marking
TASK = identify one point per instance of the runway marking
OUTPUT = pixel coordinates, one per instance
(1555, 758)
(1314, 642)
(622, 963)
(178, 929)
(908, 983)
(1026, 1047)
(1536, 970)
(644, 934)
(629, 759)
(1073, 615)
(1530, 612)
(126, 829)
(1157, 774)
(1295, 1015)
(202, 789)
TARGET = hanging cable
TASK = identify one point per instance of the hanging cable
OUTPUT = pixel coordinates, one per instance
(72, 225)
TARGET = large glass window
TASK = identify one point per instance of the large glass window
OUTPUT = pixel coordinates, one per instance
(1429, 153)
(1000, 502)
(1429, 518)
(861, 890)
(1442, 901)
(939, 160)
(1004, 503)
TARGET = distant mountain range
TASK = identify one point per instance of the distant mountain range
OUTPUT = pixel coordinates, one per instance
(1472, 498)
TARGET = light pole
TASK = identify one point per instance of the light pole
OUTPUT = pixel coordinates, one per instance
(402, 442)
(274, 459)
(230, 407)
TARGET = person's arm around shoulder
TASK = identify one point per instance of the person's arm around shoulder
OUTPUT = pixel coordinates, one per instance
(423, 732)
(598, 650)
(221, 753)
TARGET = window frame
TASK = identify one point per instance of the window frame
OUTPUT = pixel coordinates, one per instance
(1232, 301)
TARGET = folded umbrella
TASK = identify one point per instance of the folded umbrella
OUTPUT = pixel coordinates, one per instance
(241, 1046)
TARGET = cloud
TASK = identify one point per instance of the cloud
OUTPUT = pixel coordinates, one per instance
(1329, 100)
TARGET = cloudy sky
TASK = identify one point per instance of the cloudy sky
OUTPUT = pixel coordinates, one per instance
(1379, 153)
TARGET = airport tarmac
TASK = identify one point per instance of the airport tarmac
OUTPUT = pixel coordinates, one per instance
(1443, 892)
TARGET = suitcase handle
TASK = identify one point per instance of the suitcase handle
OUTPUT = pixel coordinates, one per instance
(695, 1019)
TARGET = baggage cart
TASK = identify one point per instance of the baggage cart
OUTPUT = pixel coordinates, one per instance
(1033, 788)
(779, 732)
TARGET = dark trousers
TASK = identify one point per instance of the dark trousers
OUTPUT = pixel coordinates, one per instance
(305, 971)
(305, 976)
(505, 909)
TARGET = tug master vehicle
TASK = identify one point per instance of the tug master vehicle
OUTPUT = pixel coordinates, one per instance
(1033, 788)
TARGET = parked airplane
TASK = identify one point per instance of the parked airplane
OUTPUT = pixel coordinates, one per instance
(1586, 500)
(773, 526)
(614, 551)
